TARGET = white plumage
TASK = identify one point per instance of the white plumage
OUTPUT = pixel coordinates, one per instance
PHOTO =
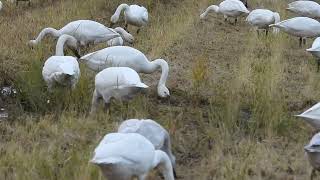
(121, 83)
(315, 50)
(126, 156)
(84, 31)
(134, 15)
(262, 18)
(313, 152)
(229, 8)
(302, 27)
(312, 116)
(153, 131)
(124, 56)
(305, 8)
(124, 36)
(0, 5)
(60, 69)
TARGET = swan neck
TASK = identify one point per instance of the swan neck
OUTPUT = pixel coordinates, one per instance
(116, 15)
(124, 34)
(163, 162)
(71, 42)
(164, 70)
(51, 31)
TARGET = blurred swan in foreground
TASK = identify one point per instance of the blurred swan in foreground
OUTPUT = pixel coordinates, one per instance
(229, 8)
(134, 15)
(313, 152)
(121, 83)
(262, 18)
(123, 156)
(124, 56)
(315, 50)
(302, 27)
(154, 132)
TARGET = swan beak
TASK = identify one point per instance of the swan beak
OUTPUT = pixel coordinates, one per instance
(76, 53)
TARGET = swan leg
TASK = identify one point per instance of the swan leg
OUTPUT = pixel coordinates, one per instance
(300, 42)
(235, 21)
(267, 31)
(29, 4)
(318, 64)
(138, 30)
(95, 102)
(304, 41)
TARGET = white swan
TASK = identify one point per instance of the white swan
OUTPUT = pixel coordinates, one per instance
(229, 8)
(315, 50)
(124, 36)
(313, 152)
(154, 132)
(262, 18)
(305, 8)
(302, 27)
(312, 116)
(124, 56)
(60, 69)
(121, 83)
(134, 15)
(85, 31)
(127, 156)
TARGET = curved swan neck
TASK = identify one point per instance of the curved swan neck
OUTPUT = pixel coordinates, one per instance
(116, 15)
(162, 160)
(53, 32)
(71, 42)
(124, 34)
(276, 20)
(164, 70)
(213, 8)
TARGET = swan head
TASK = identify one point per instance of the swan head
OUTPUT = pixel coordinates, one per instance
(114, 18)
(163, 91)
(32, 43)
(124, 34)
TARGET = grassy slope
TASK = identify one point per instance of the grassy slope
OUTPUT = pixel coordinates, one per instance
(229, 115)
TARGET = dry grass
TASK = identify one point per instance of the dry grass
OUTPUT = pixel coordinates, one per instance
(229, 115)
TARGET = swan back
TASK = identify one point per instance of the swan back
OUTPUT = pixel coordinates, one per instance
(300, 26)
(305, 8)
(232, 8)
(120, 149)
(312, 116)
(261, 18)
(137, 15)
(87, 31)
(118, 77)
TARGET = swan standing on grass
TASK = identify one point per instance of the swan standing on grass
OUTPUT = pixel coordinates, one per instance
(313, 152)
(315, 51)
(60, 69)
(134, 15)
(229, 8)
(124, 56)
(302, 27)
(312, 116)
(119, 41)
(127, 156)
(85, 31)
(305, 8)
(121, 83)
(154, 132)
(262, 18)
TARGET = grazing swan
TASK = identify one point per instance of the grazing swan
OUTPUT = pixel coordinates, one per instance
(315, 50)
(262, 18)
(305, 8)
(121, 83)
(124, 56)
(60, 69)
(229, 8)
(85, 31)
(154, 132)
(118, 41)
(313, 152)
(312, 116)
(302, 27)
(71, 43)
(134, 15)
(127, 156)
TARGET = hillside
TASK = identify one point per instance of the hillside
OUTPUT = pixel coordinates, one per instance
(230, 113)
